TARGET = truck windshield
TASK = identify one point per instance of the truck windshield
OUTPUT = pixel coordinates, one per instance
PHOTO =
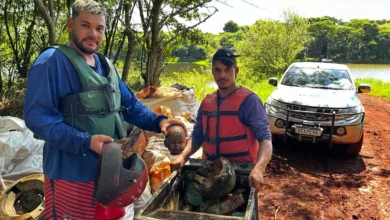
(318, 78)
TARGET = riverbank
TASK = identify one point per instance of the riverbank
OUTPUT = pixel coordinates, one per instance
(379, 88)
(202, 84)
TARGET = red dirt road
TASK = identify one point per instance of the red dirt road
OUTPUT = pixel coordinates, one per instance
(310, 182)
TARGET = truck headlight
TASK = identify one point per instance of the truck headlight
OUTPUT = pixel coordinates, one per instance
(351, 116)
(276, 108)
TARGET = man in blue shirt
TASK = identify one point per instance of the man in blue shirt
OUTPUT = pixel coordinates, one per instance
(70, 155)
(231, 122)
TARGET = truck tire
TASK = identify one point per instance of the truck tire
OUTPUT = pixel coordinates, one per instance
(354, 149)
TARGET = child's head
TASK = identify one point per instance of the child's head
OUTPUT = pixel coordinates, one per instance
(175, 140)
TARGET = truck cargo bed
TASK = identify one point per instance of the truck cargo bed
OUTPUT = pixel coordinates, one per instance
(167, 202)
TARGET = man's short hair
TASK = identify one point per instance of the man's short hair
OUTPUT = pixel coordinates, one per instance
(226, 57)
(95, 7)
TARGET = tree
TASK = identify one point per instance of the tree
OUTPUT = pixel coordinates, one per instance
(341, 49)
(173, 16)
(116, 35)
(364, 35)
(205, 46)
(231, 26)
(230, 40)
(19, 31)
(46, 8)
(2, 48)
(113, 32)
(270, 46)
(129, 8)
(210, 45)
(384, 42)
(323, 31)
(325, 18)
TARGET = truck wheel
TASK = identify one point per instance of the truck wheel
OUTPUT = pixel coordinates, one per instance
(354, 149)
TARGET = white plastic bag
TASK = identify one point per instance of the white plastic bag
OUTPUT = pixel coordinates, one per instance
(179, 101)
(21, 153)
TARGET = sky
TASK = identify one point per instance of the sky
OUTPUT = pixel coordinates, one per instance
(246, 14)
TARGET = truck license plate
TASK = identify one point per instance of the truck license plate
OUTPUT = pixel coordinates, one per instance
(308, 131)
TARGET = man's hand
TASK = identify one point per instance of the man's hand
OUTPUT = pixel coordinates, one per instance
(97, 142)
(177, 163)
(166, 123)
(256, 178)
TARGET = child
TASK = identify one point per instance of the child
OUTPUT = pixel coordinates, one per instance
(175, 140)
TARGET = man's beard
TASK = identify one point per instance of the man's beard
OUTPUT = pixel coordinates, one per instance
(224, 86)
(80, 46)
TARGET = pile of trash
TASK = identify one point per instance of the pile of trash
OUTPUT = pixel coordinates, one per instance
(211, 189)
(20, 153)
(180, 100)
(20, 160)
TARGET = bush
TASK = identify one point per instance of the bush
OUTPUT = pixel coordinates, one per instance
(12, 103)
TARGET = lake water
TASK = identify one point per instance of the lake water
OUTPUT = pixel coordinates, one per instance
(376, 71)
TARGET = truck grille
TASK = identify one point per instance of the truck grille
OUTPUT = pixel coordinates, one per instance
(306, 115)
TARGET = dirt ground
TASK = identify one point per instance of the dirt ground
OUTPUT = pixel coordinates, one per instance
(311, 182)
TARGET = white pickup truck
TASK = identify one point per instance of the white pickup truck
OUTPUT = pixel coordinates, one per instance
(318, 102)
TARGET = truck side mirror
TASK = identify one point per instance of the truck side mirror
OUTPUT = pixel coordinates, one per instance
(363, 88)
(273, 81)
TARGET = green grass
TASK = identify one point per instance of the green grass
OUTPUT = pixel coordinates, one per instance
(378, 87)
(203, 62)
(261, 88)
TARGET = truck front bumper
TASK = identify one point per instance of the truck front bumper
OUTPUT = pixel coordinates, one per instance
(329, 134)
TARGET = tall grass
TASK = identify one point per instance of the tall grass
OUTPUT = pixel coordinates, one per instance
(203, 62)
(260, 87)
(379, 88)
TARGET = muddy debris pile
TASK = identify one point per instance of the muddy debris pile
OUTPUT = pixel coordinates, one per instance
(212, 189)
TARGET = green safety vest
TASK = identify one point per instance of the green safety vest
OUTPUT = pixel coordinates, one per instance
(97, 108)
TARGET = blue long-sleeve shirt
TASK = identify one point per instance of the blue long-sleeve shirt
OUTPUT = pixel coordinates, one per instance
(251, 113)
(67, 154)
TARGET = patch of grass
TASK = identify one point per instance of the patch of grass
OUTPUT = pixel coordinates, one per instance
(261, 88)
(379, 88)
(203, 62)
